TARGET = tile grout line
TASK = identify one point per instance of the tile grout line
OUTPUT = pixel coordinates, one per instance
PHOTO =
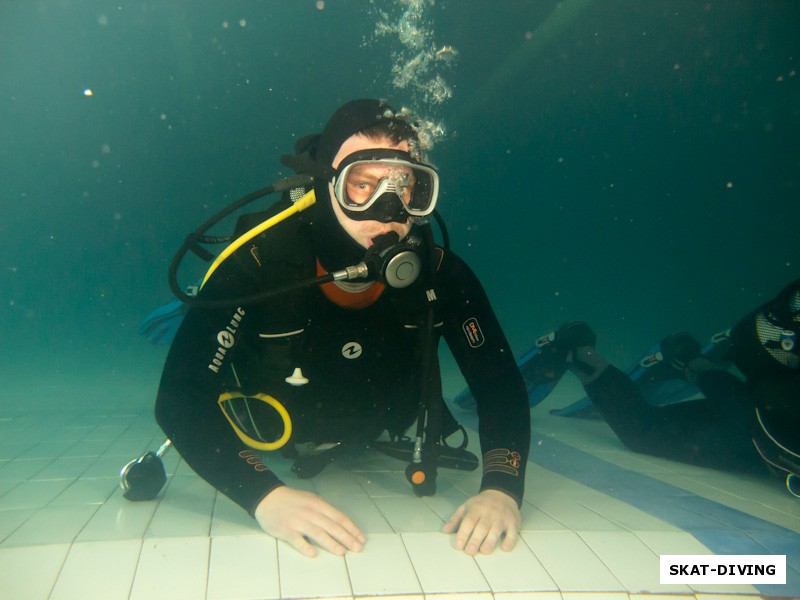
(60, 570)
(610, 570)
(610, 519)
(278, 567)
(416, 575)
(136, 568)
(18, 526)
(164, 492)
(83, 528)
(38, 509)
(543, 511)
(544, 566)
(349, 578)
(208, 558)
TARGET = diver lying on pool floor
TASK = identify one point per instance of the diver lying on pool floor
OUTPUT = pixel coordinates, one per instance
(344, 361)
(738, 425)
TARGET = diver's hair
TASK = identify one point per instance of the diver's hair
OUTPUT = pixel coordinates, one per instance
(397, 130)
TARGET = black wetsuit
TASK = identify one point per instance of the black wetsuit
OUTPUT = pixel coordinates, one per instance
(717, 430)
(712, 432)
(362, 366)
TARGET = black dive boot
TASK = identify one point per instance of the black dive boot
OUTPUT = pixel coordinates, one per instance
(678, 350)
(551, 363)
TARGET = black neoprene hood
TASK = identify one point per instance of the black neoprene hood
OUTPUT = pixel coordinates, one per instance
(348, 120)
(334, 247)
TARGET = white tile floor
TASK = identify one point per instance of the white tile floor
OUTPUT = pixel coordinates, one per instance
(66, 532)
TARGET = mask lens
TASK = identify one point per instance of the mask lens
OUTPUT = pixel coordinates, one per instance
(363, 183)
(366, 182)
(422, 196)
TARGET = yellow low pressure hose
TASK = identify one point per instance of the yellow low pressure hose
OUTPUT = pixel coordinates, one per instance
(300, 205)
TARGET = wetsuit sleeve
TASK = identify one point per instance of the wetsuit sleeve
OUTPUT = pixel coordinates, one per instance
(196, 372)
(481, 350)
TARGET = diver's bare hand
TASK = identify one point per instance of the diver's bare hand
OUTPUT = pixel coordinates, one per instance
(482, 520)
(300, 517)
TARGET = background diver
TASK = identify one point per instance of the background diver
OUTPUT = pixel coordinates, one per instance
(744, 423)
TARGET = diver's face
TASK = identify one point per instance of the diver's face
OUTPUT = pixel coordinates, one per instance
(363, 232)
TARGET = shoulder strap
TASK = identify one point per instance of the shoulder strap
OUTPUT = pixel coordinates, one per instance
(283, 253)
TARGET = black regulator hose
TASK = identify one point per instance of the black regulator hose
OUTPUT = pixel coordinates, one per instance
(198, 236)
(388, 260)
(422, 470)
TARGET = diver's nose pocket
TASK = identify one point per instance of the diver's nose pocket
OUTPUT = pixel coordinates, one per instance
(259, 420)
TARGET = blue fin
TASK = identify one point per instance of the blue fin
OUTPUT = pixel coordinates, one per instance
(656, 381)
(160, 326)
(532, 374)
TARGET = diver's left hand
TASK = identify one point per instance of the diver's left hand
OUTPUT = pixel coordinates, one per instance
(482, 520)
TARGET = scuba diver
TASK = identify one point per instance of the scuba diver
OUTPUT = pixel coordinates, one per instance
(263, 362)
(749, 424)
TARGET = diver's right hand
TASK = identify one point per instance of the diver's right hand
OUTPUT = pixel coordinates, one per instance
(300, 517)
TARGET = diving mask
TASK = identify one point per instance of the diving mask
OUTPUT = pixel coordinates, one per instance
(385, 185)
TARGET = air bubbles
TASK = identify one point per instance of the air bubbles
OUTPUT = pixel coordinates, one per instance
(417, 64)
(448, 54)
(429, 133)
(242, 23)
(438, 90)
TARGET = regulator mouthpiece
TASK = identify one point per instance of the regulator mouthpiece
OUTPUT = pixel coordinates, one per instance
(396, 264)
(388, 260)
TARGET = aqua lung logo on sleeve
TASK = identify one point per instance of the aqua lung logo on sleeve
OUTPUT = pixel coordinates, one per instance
(473, 332)
(226, 338)
(352, 350)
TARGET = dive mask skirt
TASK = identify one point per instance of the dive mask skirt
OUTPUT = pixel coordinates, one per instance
(368, 180)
